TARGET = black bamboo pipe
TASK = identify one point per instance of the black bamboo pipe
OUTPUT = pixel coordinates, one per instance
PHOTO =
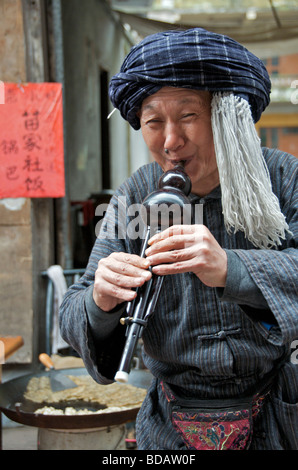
(173, 188)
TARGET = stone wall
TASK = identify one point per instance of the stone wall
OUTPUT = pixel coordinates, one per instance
(15, 214)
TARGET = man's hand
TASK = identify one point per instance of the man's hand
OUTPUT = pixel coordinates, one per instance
(188, 248)
(116, 278)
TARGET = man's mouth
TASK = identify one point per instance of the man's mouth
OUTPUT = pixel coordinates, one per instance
(180, 162)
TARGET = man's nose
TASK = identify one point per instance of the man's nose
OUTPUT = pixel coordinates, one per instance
(174, 137)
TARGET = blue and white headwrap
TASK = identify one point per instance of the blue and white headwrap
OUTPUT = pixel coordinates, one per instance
(196, 59)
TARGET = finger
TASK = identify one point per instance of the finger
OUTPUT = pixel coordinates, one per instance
(175, 242)
(127, 264)
(107, 289)
(129, 259)
(122, 274)
(130, 270)
(127, 280)
(170, 232)
(180, 261)
(173, 268)
(174, 256)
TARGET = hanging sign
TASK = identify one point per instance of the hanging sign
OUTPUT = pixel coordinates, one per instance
(31, 141)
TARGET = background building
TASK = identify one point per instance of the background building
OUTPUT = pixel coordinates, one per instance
(278, 127)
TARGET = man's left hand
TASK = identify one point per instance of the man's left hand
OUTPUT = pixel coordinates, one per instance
(188, 248)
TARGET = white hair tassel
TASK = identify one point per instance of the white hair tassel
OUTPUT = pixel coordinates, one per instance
(249, 204)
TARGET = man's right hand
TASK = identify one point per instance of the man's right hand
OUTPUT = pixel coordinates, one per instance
(117, 277)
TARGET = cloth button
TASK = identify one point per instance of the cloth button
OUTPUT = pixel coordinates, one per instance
(221, 334)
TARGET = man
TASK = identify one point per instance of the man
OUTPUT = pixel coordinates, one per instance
(218, 344)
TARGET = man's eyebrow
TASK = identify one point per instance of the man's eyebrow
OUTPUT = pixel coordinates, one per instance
(148, 106)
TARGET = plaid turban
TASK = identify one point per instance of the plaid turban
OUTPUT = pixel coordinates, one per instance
(196, 59)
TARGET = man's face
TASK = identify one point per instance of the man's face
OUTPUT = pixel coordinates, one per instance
(179, 120)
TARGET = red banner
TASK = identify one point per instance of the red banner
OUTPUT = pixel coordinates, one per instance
(31, 141)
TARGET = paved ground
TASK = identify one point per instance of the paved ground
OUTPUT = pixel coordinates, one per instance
(14, 435)
(19, 438)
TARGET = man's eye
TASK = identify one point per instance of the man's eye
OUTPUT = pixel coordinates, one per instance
(153, 121)
(188, 115)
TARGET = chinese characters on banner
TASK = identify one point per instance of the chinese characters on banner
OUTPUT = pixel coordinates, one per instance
(31, 141)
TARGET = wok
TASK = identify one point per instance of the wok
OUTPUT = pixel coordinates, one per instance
(14, 405)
